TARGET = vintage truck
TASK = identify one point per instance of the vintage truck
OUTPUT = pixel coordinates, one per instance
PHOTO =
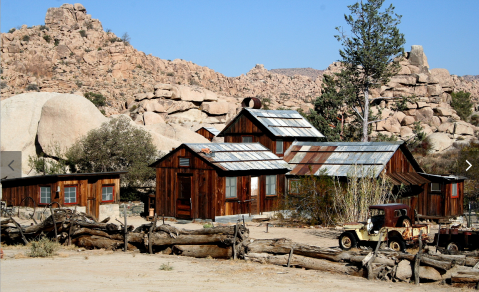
(391, 222)
(456, 239)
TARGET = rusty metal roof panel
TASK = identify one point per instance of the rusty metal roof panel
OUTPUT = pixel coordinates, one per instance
(212, 130)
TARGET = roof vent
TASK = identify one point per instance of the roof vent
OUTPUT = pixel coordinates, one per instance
(247, 102)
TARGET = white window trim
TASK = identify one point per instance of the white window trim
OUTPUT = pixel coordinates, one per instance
(103, 194)
(280, 142)
(74, 197)
(455, 194)
(48, 196)
(271, 185)
(231, 190)
(433, 190)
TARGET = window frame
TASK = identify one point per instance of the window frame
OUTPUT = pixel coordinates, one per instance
(251, 137)
(268, 177)
(76, 194)
(290, 189)
(456, 195)
(229, 187)
(435, 190)
(40, 194)
(184, 157)
(112, 193)
(279, 142)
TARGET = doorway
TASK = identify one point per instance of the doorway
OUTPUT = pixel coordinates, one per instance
(254, 204)
(183, 203)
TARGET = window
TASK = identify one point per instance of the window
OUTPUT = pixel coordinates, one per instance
(45, 195)
(435, 187)
(294, 186)
(230, 187)
(107, 193)
(454, 193)
(70, 194)
(247, 139)
(271, 185)
(279, 147)
(184, 162)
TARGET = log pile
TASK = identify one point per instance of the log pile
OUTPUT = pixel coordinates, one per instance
(459, 270)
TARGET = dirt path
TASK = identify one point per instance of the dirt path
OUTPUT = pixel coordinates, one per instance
(74, 269)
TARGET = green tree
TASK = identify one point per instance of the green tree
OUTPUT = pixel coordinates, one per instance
(116, 145)
(369, 54)
(461, 102)
(330, 110)
(96, 98)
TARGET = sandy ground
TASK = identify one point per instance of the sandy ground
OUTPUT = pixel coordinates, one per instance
(75, 269)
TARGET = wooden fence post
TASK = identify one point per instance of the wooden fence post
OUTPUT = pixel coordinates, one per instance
(152, 227)
(371, 261)
(417, 261)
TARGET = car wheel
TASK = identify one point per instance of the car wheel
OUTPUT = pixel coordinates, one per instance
(453, 246)
(397, 244)
(347, 241)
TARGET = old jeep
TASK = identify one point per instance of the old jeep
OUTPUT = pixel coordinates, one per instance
(391, 221)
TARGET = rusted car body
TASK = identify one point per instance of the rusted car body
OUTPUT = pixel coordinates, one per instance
(389, 223)
(455, 239)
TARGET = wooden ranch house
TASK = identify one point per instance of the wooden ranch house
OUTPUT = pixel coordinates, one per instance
(275, 129)
(217, 179)
(208, 132)
(340, 159)
(97, 194)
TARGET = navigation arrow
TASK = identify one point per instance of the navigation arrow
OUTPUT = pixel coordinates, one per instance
(10, 165)
(469, 165)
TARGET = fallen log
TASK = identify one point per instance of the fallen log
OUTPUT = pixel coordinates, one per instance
(383, 261)
(454, 259)
(92, 242)
(165, 239)
(471, 262)
(132, 237)
(283, 246)
(203, 251)
(426, 260)
(464, 278)
(303, 262)
(102, 226)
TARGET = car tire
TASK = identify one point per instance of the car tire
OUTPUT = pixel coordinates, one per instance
(397, 244)
(347, 240)
(404, 221)
(454, 246)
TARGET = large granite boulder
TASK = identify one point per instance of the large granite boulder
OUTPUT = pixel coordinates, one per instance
(439, 141)
(64, 120)
(20, 115)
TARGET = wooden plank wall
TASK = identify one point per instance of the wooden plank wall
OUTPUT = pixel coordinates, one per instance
(399, 163)
(203, 132)
(454, 206)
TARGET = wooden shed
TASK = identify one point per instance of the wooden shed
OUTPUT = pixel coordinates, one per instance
(217, 179)
(208, 132)
(89, 190)
(340, 159)
(275, 129)
(443, 197)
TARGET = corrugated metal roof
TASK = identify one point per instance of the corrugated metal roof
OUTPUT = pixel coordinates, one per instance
(212, 130)
(239, 156)
(284, 123)
(340, 158)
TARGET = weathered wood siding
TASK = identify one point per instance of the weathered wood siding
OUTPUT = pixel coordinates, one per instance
(399, 163)
(205, 133)
(89, 191)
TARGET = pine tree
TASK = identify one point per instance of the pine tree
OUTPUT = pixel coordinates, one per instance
(369, 53)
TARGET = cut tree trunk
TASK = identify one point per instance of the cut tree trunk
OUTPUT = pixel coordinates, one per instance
(302, 261)
(132, 237)
(93, 241)
(203, 251)
(383, 261)
(283, 246)
(165, 239)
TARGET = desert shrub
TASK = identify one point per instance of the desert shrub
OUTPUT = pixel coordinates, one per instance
(3, 84)
(114, 39)
(32, 87)
(362, 189)
(462, 104)
(170, 74)
(310, 200)
(26, 38)
(12, 30)
(89, 25)
(44, 247)
(125, 38)
(384, 138)
(56, 42)
(96, 98)
(133, 108)
(43, 27)
(47, 38)
(166, 267)
(83, 33)
(207, 225)
(78, 83)
(266, 103)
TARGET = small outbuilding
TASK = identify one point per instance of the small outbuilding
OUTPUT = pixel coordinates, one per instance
(97, 194)
(208, 132)
(275, 129)
(208, 180)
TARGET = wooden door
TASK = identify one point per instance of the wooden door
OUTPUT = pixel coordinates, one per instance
(93, 199)
(183, 203)
(435, 205)
(254, 195)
